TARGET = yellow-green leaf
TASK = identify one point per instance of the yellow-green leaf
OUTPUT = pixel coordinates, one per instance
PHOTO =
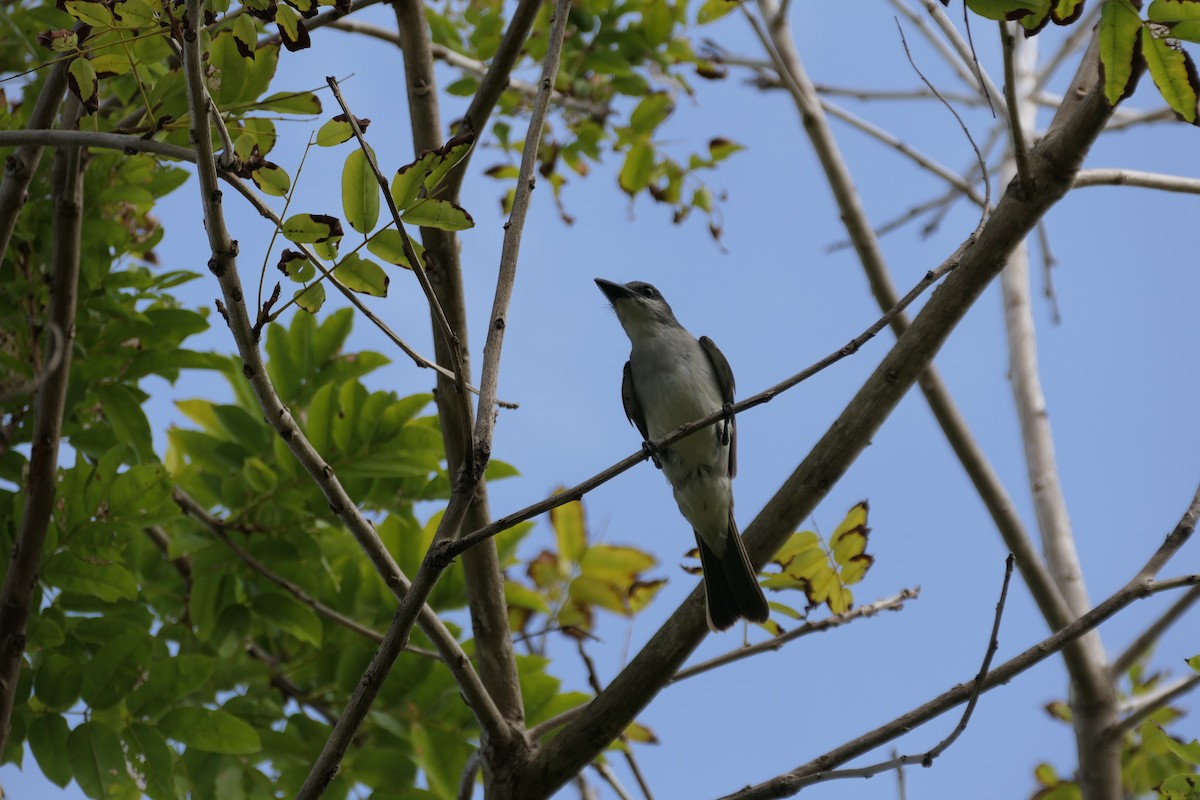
(410, 178)
(1119, 26)
(284, 613)
(1007, 9)
(595, 592)
(389, 246)
(360, 192)
(312, 298)
(1173, 10)
(713, 10)
(447, 158)
(650, 112)
(309, 228)
(81, 79)
(360, 275)
(570, 530)
(441, 214)
(638, 167)
(272, 179)
(1173, 72)
(93, 12)
(616, 563)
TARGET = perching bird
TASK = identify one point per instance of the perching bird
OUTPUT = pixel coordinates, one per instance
(672, 378)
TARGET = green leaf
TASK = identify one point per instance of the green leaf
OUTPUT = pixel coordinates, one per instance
(152, 758)
(115, 668)
(48, 735)
(388, 245)
(360, 192)
(1119, 27)
(138, 493)
(447, 158)
(362, 276)
(81, 80)
(309, 228)
(209, 730)
(657, 22)
(272, 179)
(93, 13)
(99, 763)
(337, 130)
(441, 214)
(289, 616)
(713, 10)
(312, 298)
(1188, 752)
(1007, 9)
(1173, 10)
(292, 102)
(170, 681)
(1173, 72)
(638, 167)
(650, 112)
(106, 582)
(410, 178)
(58, 681)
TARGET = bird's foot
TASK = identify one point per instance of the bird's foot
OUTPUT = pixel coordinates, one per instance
(652, 453)
(728, 424)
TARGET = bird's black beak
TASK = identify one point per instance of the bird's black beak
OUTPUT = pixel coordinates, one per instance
(614, 291)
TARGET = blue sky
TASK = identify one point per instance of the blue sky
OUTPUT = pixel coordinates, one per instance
(1119, 375)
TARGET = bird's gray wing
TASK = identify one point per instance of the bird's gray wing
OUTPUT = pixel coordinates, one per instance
(724, 375)
(633, 408)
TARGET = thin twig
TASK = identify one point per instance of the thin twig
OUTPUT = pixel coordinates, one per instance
(1140, 587)
(965, 51)
(1015, 126)
(927, 758)
(435, 306)
(1146, 705)
(1048, 264)
(286, 685)
(597, 687)
(475, 67)
(41, 486)
(453, 549)
(485, 419)
(947, 53)
(1133, 177)
(775, 643)
(1153, 632)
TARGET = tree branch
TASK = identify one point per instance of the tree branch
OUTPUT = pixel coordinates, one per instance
(1145, 706)
(1132, 177)
(20, 581)
(223, 265)
(1054, 162)
(927, 758)
(775, 643)
(20, 166)
(1147, 638)
(484, 578)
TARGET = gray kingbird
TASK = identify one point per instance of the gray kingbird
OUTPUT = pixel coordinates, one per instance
(672, 378)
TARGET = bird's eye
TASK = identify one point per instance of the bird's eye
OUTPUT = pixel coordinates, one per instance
(648, 291)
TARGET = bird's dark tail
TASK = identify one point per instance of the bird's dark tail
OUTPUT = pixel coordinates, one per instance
(730, 583)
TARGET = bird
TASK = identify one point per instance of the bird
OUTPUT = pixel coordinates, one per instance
(672, 378)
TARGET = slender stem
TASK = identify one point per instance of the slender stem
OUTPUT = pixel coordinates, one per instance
(1153, 632)
(1016, 109)
(20, 581)
(223, 265)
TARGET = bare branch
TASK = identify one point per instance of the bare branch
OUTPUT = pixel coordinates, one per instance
(1144, 706)
(485, 419)
(477, 68)
(1054, 160)
(964, 70)
(20, 581)
(816, 770)
(926, 759)
(1147, 638)
(1016, 126)
(1132, 177)
(965, 52)
(467, 541)
(775, 643)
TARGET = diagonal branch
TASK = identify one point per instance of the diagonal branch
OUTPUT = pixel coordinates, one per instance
(1147, 638)
(223, 265)
(20, 581)
(1054, 162)
(1141, 586)
(20, 166)
(326, 764)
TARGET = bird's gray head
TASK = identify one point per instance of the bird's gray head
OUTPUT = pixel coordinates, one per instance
(640, 307)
